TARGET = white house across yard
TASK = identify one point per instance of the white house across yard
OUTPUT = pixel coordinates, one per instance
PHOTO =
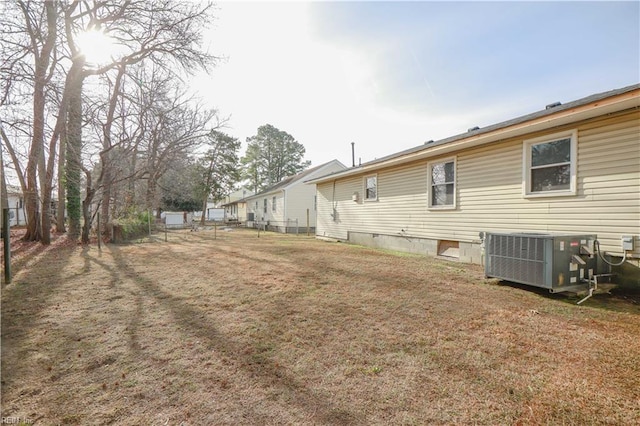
(289, 205)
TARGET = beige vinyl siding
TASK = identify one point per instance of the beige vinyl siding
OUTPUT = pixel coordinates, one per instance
(490, 193)
(338, 195)
(299, 199)
(292, 200)
(300, 196)
(270, 214)
(278, 214)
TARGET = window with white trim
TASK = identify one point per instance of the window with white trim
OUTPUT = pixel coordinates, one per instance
(371, 188)
(273, 204)
(550, 165)
(442, 184)
(264, 210)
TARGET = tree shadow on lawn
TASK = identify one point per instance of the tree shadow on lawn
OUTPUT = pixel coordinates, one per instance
(266, 371)
(22, 304)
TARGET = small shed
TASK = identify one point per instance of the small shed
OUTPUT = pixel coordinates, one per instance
(215, 214)
(174, 219)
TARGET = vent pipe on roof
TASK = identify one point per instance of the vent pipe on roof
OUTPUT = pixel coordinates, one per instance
(353, 154)
(553, 105)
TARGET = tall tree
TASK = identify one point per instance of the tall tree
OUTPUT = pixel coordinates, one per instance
(218, 169)
(175, 126)
(161, 31)
(42, 45)
(272, 155)
(40, 54)
(178, 187)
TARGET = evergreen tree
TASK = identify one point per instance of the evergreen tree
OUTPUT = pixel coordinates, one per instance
(272, 155)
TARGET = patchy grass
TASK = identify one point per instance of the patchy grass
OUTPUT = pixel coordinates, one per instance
(293, 330)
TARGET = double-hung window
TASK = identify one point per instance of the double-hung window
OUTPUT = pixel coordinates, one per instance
(273, 204)
(550, 165)
(442, 184)
(371, 188)
(264, 209)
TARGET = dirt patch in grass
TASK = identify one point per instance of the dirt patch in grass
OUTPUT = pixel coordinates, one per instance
(292, 330)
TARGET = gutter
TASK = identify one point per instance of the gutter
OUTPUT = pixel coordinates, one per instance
(284, 207)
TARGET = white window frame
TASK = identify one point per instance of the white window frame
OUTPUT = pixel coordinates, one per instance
(364, 184)
(430, 165)
(264, 207)
(273, 203)
(573, 165)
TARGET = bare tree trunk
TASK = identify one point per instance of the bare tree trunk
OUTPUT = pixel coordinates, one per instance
(106, 173)
(207, 189)
(151, 193)
(61, 211)
(131, 189)
(4, 199)
(34, 230)
(47, 192)
(106, 198)
(86, 208)
(204, 210)
(36, 152)
(46, 213)
(74, 154)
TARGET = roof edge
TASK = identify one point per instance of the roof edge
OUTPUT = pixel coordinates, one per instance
(585, 108)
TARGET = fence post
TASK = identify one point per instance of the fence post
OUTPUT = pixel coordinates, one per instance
(165, 232)
(296, 226)
(6, 237)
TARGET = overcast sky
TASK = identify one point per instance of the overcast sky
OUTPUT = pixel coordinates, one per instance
(389, 75)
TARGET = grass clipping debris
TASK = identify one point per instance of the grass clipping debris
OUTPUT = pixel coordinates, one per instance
(286, 329)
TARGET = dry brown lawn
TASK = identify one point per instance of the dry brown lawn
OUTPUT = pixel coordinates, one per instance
(293, 330)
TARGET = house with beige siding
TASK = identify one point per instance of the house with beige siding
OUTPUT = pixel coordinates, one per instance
(289, 205)
(234, 206)
(568, 168)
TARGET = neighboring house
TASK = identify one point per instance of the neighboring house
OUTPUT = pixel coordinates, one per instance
(234, 208)
(15, 199)
(284, 206)
(572, 168)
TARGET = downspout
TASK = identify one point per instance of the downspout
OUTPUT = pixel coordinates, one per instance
(284, 209)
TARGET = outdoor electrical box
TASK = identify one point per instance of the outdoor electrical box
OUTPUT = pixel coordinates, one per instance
(556, 262)
(627, 243)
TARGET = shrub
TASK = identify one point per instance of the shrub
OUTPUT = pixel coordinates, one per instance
(134, 225)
